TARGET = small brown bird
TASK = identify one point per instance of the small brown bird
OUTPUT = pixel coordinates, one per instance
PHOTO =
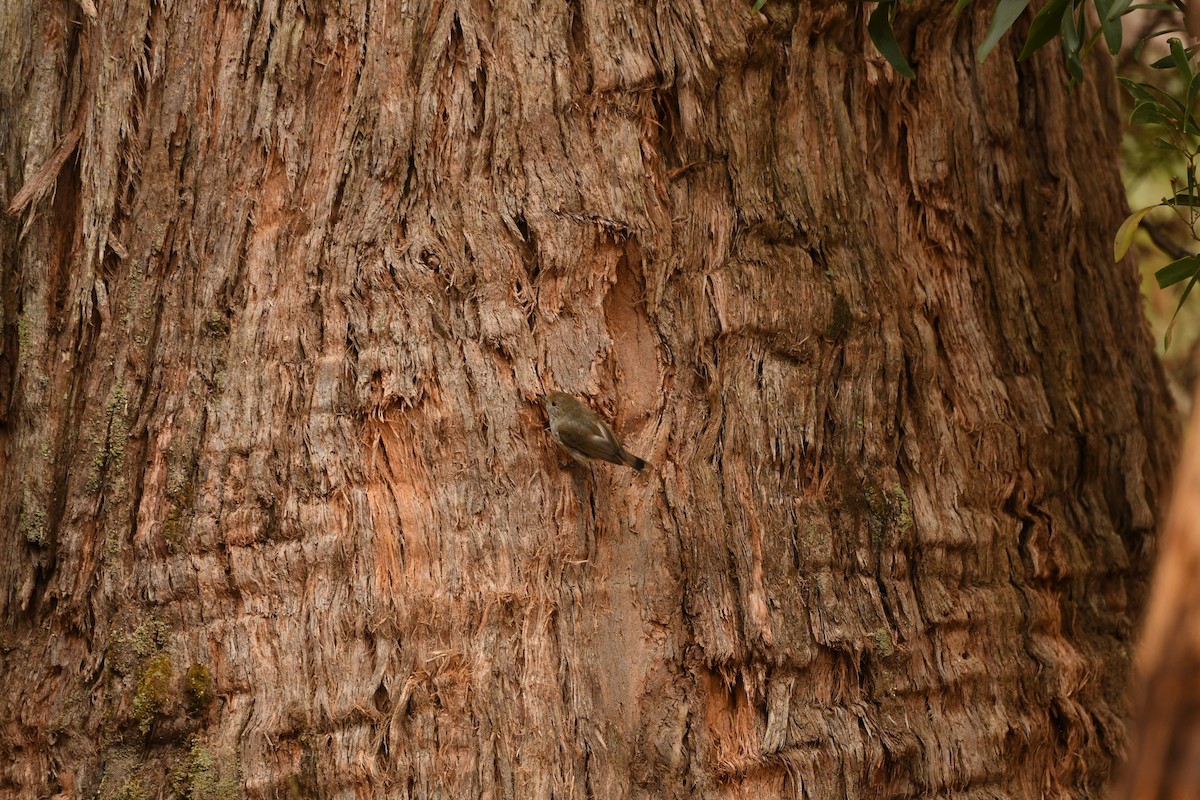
(583, 434)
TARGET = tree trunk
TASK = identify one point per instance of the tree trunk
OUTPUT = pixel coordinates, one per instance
(281, 517)
(1165, 758)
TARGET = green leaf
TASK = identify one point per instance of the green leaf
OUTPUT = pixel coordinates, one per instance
(1118, 9)
(1192, 91)
(1178, 270)
(1139, 91)
(960, 5)
(1075, 68)
(1111, 27)
(1070, 32)
(1075, 33)
(1125, 233)
(1151, 113)
(1185, 199)
(1182, 298)
(1006, 14)
(1163, 144)
(1070, 45)
(880, 28)
(1180, 57)
(1147, 93)
(759, 4)
(1170, 104)
(1045, 26)
(1189, 197)
(1166, 62)
(1163, 62)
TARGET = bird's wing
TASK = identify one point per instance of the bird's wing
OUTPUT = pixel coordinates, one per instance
(592, 439)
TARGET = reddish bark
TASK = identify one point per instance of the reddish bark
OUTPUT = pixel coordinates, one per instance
(279, 511)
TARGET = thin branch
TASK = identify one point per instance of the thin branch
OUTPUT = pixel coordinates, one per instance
(1163, 241)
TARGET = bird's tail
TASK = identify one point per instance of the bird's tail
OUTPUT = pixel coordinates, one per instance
(632, 460)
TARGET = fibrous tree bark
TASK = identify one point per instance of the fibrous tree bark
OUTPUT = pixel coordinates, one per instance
(282, 281)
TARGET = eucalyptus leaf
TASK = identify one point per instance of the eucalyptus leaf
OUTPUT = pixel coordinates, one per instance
(1007, 12)
(1139, 91)
(1074, 68)
(1165, 61)
(1111, 27)
(1070, 33)
(1186, 199)
(1178, 270)
(1045, 26)
(1151, 114)
(1086, 39)
(1170, 104)
(1193, 90)
(880, 29)
(1180, 57)
(1191, 285)
(1118, 9)
(1126, 232)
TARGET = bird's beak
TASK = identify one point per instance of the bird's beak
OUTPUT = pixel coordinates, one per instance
(541, 397)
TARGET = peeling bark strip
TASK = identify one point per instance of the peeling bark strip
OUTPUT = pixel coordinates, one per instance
(37, 186)
(279, 512)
